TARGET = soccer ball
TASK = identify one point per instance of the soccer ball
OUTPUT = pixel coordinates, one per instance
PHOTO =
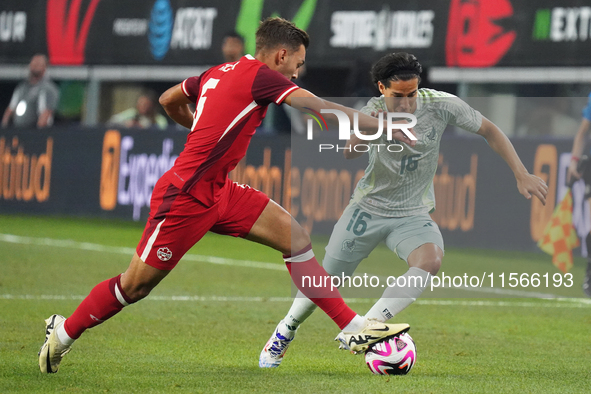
(392, 356)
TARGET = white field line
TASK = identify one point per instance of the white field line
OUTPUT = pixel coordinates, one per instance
(62, 243)
(66, 243)
(568, 303)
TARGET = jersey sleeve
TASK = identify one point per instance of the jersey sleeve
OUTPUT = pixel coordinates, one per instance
(48, 98)
(456, 112)
(271, 87)
(16, 97)
(191, 88)
(374, 105)
(587, 109)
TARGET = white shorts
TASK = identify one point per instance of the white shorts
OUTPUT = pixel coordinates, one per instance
(357, 233)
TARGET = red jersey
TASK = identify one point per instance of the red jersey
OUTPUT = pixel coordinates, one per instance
(231, 102)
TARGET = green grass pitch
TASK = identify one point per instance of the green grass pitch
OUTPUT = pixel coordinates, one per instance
(202, 328)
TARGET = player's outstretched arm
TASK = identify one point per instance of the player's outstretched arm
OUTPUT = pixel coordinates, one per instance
(578, 145)
(366, 122)
(527, 184)
(44, 118)
(176, 105)
(351, 153)
(6, 117)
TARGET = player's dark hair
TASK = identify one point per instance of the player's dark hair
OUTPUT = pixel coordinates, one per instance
(399, 66)
(274, 32)
(233, 34)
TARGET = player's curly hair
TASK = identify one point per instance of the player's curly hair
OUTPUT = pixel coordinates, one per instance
(398, 66)
(274, 32)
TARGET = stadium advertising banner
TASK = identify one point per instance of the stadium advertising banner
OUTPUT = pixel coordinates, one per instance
(454, 33)
(111, 174)
(83, 172)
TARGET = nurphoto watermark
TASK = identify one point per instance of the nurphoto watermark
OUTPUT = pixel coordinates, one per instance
(393, 122)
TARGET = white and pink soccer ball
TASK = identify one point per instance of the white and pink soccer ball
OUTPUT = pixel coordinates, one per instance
(393, 356)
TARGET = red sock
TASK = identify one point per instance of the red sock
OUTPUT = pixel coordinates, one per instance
(104, 301)
(312, 280)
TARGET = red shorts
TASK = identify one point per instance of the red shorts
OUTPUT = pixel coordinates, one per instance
(177, 220)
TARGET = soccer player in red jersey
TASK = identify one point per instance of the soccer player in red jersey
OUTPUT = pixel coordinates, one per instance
(196, 196)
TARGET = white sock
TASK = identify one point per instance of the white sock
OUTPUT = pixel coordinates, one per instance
(395, 299)
(356, 324)
(63, 336)
(300, 310)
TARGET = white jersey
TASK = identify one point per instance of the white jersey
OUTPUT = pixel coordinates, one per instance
(398, 184)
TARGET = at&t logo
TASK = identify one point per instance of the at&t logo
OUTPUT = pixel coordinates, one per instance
(160, 28)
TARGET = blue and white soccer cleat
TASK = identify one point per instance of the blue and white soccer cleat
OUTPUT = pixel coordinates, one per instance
(52, 351)
(273, 352)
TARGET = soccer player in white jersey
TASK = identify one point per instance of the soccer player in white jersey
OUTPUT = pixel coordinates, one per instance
(395, 196)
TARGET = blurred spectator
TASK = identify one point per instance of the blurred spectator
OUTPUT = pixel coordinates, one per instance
(144, 115)
(232, 47)
(34, 100)
(578, 169)
(573, 173)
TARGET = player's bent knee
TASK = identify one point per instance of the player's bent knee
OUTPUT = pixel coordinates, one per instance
(337, 267)
(140, 278)
(299, 238)
(141, 293)
(431, 265)
(138, 291)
